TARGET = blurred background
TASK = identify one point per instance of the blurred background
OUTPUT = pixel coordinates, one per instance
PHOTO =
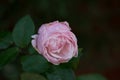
(96, 24)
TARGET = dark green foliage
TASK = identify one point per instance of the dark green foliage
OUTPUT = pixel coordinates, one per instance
(34, 63)
(91, 77)
(23, 31)
(5, 40)
(8, 56)
(32, 76)
(61, 74)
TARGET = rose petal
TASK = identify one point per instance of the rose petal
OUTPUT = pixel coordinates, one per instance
(34, 40)
(34, 36)
(33, 43)
(66, 24)
(51, 59)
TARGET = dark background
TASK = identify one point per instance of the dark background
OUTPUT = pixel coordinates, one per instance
(96, 24)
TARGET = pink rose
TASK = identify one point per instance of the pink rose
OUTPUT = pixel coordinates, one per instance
(56, 42)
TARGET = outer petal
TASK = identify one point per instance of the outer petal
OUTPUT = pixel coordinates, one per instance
(34, 40)
(55, 26)
(34, 43)
(66, 24)
(72, 38)
(51, 59)
(74, 44)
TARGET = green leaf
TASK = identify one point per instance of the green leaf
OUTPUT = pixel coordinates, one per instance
(91, 77)
(23, 31)
(32, 76)
(8, 56)
(61, 74)
(6, 41)
(34, 63)
(75, 61)
(31, 50)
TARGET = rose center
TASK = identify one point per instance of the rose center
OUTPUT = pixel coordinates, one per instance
(56, 44)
